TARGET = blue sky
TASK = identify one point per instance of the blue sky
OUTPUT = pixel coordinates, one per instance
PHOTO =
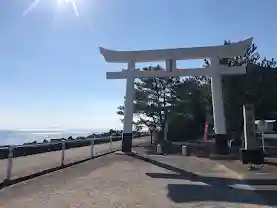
(51, 71)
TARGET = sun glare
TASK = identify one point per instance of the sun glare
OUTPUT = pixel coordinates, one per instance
(60, 3)
(72, 2)
(31, 6)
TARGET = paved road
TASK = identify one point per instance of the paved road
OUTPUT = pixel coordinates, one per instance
(23, 166)
(201, 182)
(262, 180)
(120, 181)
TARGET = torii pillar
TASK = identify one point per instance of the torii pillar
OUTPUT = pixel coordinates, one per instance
(215, 71)
(127, 135)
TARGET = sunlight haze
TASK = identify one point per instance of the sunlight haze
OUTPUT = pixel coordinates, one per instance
(52, 73)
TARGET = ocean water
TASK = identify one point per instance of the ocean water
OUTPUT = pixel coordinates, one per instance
(18, 137)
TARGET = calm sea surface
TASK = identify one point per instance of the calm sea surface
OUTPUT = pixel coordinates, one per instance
(17, 137)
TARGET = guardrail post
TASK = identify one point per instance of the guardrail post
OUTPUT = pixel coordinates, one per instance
(111, 142)
(10, 163)
(63, 150)
(92, 148)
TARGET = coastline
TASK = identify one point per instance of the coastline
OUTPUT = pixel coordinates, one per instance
(52, 144)
(31, 136)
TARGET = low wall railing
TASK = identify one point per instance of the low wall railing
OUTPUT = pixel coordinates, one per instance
(62, 146)
(30, 149)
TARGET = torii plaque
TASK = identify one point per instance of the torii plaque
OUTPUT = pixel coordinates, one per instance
(170, 56)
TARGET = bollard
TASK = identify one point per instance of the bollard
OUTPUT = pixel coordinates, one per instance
(184, 150)
(263, 142)
(10, 163)
(63, 150)
(159, 149)
(92, 148)
(111, 142)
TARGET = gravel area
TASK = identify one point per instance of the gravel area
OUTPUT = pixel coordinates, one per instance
(111, 181)
(120, 181)
(24, 166)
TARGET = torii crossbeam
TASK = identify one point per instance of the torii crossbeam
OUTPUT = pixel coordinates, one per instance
(170, 56)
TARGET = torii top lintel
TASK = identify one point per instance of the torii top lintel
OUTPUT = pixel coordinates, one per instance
(222, 51)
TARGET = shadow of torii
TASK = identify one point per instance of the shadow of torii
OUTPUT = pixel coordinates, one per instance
(214, 189)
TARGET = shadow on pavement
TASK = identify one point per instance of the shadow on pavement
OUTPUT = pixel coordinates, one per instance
(270, 163)
(216, 188)
(181, 193)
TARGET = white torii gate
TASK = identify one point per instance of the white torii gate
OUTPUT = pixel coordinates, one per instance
(170, 56)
